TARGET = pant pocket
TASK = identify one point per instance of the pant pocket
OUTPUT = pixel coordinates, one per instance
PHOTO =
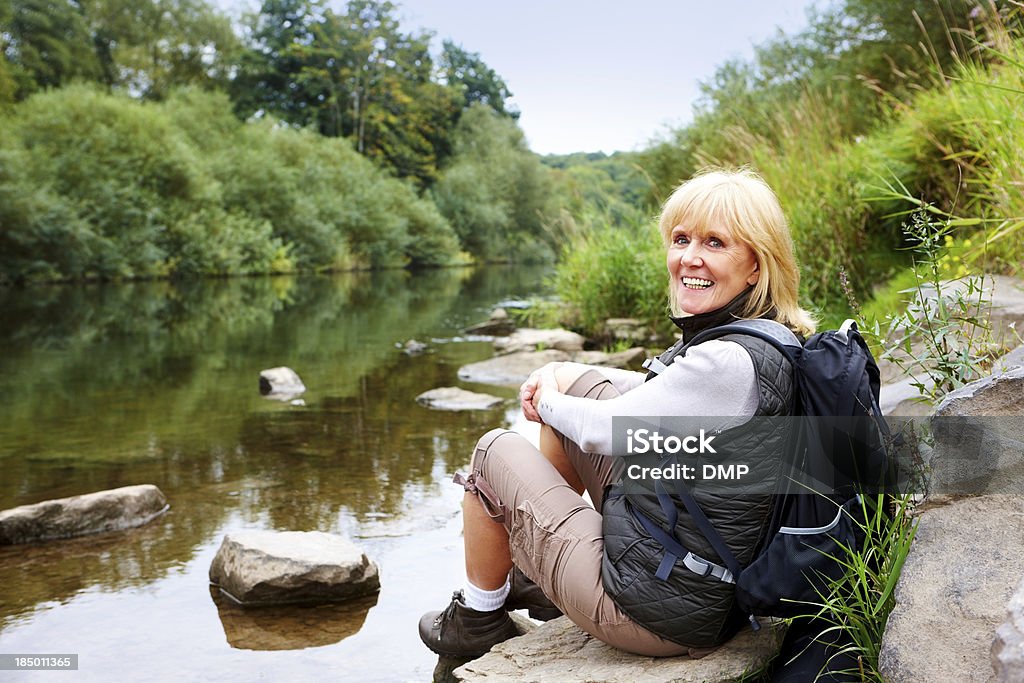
(537, 549)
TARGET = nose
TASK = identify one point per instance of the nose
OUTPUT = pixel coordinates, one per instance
(691, 256)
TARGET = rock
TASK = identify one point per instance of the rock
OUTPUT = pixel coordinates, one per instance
(902, 398)
(281, 383)
(413, 347)
(630, 359)
(960, 573)
(289, 627)
(1014, 359)
(628, 329)
(280, 567)
(92, 513)
(979, 437)
(1007, 314)
(528, 339)
(511, 369)
(499, 324)
(454, 398)
(559, 651)
(1008, 648)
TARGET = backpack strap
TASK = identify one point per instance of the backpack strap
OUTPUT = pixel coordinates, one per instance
(776, 334)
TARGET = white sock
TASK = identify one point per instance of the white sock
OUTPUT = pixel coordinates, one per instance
(485, 601)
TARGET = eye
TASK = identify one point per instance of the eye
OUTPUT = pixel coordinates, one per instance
(681, 239)
(715, 242)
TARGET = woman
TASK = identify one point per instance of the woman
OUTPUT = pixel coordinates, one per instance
(729, 256)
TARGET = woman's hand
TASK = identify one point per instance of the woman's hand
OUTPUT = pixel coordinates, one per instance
(529, 393)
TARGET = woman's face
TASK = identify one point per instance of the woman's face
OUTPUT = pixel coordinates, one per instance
(709, 269)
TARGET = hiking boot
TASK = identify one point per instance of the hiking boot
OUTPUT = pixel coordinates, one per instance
(459, 631)
(525, 594)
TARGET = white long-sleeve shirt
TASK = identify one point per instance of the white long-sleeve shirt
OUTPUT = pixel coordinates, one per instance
(713, 379)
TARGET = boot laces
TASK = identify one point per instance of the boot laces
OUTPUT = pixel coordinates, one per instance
(449, 612)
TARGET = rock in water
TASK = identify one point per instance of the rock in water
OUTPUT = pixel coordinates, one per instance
(280, 567)
(281, 381)
(509, 370)
(454, 398)
(92, 513)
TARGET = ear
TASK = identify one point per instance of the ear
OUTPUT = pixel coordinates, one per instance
(754, 276)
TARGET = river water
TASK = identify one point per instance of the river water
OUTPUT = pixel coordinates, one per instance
(111, 385)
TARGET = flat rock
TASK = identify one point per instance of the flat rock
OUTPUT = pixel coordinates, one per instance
(92, 513)
(454, 398)
(558, 651)
(958, 577)
(282, 383)
(1008, 648)
(280, 567)
(511, 369)
(528, 339)
(979, 437)
(629, 359)
(902, 398)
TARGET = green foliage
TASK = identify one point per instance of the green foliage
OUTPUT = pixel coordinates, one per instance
(96, 185)
(612, 271)
(495, 192)
(860, 602)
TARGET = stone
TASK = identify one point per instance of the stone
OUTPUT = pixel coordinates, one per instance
(281, 383)
(1013, 359)
(960, 573)
(979, 437)
(628, 329)
(511, 369)
(1008, 647)
(91, 513)
(281, 567)
(528, 339)
(413, 347)
(499, 324)
(630, 359)
(558, 651)
(902, 398)
(1007, 314)
(454, 398)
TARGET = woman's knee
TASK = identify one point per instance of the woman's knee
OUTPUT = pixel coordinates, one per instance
(497, 444)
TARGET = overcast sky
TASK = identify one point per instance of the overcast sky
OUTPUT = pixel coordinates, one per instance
(600, 75)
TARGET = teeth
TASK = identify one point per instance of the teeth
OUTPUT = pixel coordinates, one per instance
(697, 283)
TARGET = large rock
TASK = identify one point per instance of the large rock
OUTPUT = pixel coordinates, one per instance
(528, 339)
(560, 652)
(979, 437)
(1008, 648)
(281, 383)
(511, 369)
(962, 568)
(499, 324)
(280, 567)
(454, 398)
(92, 513)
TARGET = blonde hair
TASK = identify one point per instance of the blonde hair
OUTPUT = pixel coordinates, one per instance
(741, 200)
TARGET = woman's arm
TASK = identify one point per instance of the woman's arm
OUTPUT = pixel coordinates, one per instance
(715, 379)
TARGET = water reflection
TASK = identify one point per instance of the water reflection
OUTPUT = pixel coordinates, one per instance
(289, 627)
(106, 386)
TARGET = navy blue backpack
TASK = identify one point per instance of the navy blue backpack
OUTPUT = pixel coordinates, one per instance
(840, 438)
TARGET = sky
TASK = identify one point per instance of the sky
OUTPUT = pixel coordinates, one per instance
(595, 75)
(599, 75)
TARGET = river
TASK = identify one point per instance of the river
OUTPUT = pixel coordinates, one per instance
(111, 385)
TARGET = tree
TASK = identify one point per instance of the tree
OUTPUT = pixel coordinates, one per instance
(475, 82)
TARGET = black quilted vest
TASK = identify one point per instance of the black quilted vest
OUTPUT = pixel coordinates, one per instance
(689, 609)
